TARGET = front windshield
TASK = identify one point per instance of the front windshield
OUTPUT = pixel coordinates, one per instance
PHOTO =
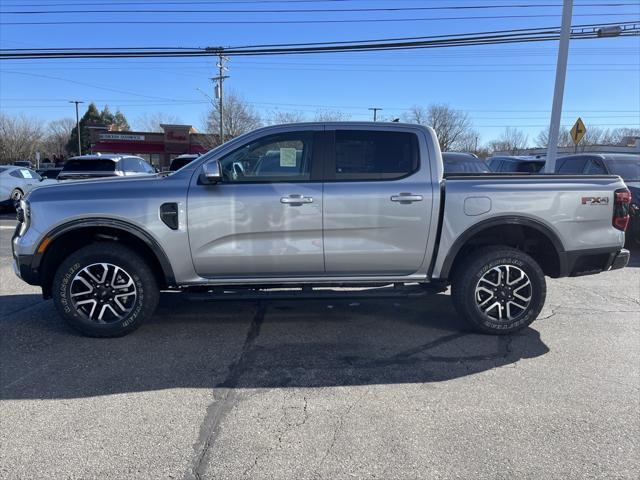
(628, 169)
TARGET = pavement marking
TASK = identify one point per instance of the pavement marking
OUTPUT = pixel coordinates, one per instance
(7, 227)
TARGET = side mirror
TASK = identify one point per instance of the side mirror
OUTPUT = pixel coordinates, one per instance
(211, 172)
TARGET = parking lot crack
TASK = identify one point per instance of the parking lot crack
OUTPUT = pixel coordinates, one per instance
(221, 406)
(336, 433)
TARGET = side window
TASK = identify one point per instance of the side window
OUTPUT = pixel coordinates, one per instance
(594, 168)
(277, 158)
(375, 155)
(508, 166)
(572, 166)
(30, 174)
(145, 167)
(16, 173)
(494, 164)
(129, 165)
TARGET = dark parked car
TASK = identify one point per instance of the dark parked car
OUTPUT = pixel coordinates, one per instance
(626, 165)
(458, 162)
(515, 164)
(51, 172)
(182, 160)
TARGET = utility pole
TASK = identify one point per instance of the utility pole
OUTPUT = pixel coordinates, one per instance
(558, 93)
(375, 112)
(219, 80)
(78, 124)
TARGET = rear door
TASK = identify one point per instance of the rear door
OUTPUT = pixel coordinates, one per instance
(265, 218)
(377, 203)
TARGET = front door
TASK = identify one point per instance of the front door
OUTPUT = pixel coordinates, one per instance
(265, 218)
(377, 204)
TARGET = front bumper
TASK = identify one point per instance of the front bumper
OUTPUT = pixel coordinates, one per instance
(23, 265)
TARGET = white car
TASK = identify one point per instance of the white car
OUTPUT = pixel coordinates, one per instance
(16, 182)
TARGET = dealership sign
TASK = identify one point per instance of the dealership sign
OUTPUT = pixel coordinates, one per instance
(121, 136)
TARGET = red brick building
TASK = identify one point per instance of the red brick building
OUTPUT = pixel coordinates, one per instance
(158, 148)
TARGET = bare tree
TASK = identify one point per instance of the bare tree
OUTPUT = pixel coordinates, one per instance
(452, 126)
(330, 116)
(564, 138)
(239, 118)
(20, 137)
(279, 117)
(511, 140)
(57, 136)
(150, 122)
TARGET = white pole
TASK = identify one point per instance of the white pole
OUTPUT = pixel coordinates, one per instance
(558, 93)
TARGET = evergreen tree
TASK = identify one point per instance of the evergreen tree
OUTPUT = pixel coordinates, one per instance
(91, 117)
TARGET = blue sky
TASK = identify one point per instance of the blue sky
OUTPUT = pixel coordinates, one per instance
(499, 86)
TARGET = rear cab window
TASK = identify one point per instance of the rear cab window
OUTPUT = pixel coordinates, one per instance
(373, 155)
(89, 165)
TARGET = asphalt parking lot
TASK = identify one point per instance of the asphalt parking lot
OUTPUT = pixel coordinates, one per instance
(339, 389)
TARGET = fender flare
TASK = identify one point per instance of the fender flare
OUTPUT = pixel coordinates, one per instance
(139, 233)
(537, 225)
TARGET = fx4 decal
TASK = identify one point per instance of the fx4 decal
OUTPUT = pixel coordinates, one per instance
(595, 200)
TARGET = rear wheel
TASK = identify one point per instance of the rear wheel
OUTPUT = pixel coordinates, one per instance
(498, 290)
(105, 290)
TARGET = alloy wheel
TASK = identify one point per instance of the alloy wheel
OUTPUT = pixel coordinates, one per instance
(504, 293)
(103, 293)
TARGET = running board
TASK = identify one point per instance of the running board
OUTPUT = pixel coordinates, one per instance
(309, 292)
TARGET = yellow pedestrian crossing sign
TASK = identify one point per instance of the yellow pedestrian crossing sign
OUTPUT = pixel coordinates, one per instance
(578, 131)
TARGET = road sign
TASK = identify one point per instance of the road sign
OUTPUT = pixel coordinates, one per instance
(578, 131)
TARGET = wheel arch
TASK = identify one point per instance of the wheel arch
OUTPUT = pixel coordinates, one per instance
(526, 234)
(69, 237)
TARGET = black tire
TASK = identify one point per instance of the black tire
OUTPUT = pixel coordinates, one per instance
(16, 196)
(471, 290)
(110, 262)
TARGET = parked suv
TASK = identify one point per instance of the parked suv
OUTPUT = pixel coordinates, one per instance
(107, 165)
(515, 164)
(318, 205)
(626, 165)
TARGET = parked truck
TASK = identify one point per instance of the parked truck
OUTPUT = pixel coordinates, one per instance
(318, 205)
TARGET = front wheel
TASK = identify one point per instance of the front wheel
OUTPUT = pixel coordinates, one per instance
(105, 290)
(16, 195)
(498, 290)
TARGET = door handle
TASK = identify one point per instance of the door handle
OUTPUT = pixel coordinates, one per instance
(296, 200)
(405, 197)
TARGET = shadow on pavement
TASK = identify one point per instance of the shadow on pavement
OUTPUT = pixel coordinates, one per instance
(266, 344)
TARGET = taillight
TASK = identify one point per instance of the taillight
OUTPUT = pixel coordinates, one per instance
(622, 199)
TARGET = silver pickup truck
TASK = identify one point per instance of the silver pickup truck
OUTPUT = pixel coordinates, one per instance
(318, 205)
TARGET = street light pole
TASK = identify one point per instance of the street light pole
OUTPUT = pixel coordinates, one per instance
(558, 93)
(375, 113)
(78, 125)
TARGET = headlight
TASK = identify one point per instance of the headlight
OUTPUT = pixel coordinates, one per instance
(23, 215)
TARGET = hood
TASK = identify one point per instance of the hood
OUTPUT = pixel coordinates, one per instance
(102, 187)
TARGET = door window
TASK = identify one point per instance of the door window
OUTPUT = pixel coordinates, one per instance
(594, 168)
(276, 158)
(374, 155)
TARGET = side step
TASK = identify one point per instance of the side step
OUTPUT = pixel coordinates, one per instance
(310, 292)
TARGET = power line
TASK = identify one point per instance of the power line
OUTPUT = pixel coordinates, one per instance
(440, 41)
(90, 4)
(290, 21)
(313, 10)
